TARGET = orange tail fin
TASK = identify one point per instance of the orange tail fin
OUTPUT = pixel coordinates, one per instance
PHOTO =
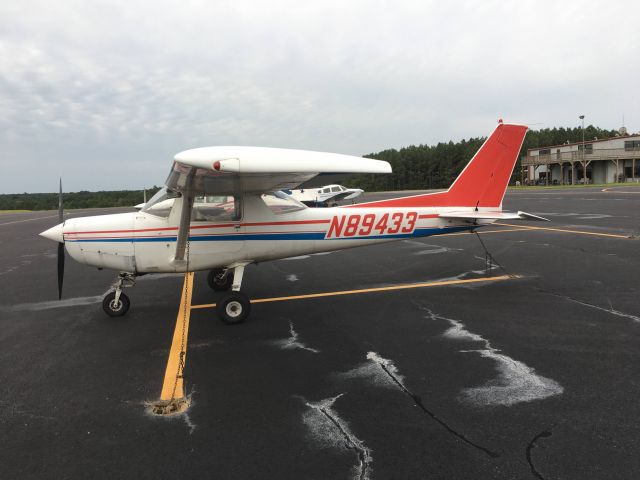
(483, 181)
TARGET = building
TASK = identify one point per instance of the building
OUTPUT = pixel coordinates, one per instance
(608, 160)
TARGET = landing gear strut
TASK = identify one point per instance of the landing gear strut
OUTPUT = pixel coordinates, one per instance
(116, 303)
(220, 279)
(234, 307)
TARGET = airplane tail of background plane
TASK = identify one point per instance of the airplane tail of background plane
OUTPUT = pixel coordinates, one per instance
(482, 183)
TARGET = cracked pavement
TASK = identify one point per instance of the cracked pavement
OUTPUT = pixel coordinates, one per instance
(74, 383)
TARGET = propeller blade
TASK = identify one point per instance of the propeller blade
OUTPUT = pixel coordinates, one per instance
(60, 269)
(60, 217)
(60, 247)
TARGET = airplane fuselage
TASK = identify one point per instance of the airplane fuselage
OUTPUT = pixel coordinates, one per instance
(140, 242)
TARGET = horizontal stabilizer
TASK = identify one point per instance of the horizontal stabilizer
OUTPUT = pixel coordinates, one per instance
(497, 215)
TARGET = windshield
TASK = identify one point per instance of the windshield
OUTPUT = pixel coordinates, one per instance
(160, 204)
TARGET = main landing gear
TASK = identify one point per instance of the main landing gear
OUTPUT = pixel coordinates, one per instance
(234, 307)
(116, 303)
(220, 279)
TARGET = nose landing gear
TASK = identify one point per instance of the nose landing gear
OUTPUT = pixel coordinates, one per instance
(116, 303)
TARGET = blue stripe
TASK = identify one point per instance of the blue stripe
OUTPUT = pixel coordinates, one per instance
(130, 239)
(418, 232)
(259, 236)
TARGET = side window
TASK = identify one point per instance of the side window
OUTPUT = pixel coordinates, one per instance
(211, 208)
(280, 203)
(335, 189)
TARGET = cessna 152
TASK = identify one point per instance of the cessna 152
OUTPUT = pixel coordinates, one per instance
(222, 209)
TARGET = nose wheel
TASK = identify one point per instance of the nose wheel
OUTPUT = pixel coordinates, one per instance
(116, 303)
(115, 307)
(234, 307)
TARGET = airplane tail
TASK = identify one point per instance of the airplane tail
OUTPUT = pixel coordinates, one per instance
(482, 183)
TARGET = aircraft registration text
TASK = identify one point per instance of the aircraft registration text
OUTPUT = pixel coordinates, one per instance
(370, 224)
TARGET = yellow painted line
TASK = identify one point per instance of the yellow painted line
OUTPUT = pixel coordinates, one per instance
(174, 369)
(370, 290)
(563, 230)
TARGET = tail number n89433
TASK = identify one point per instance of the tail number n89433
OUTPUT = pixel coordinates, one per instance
(358, 225)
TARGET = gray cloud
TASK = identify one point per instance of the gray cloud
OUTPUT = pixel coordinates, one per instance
(104, 93)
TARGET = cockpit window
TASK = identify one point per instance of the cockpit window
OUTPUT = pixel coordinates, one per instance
(208, 208)
(212, 208)
(280, 203)
(335, 189)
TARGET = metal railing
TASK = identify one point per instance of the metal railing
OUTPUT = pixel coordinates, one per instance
(577, 156)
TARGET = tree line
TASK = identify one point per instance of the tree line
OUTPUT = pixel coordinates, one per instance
(72, 200)
(415, 167)
(419, 167)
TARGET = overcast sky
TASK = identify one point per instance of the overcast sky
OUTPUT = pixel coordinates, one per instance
(105, 93)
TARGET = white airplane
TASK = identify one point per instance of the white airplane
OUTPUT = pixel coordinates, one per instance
(325, 196)
(222, 209)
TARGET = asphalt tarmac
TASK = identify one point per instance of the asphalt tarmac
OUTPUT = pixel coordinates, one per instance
(533, 376)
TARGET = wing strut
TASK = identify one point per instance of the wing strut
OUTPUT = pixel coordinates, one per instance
(185, 222)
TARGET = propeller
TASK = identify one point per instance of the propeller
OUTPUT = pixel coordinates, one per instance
(60, 247)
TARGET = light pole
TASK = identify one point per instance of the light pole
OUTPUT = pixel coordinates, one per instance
(584, 168)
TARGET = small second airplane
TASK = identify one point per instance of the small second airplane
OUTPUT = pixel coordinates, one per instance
(325, 196)
(222, 209)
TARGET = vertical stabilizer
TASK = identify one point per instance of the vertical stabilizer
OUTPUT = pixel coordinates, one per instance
(483, 181)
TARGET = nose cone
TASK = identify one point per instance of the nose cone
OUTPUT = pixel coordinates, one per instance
(54, 233)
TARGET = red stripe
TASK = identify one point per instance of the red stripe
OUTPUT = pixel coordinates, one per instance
(297, 222)
(200, 235)
(123, 231)
(434, 215)
(194, 227)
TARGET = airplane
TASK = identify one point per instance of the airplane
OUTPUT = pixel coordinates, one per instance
(325, 196)
(222, 209)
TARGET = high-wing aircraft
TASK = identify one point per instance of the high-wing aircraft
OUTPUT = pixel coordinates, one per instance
(325, 196)
(222, 209)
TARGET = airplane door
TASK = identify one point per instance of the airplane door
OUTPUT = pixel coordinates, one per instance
(215, 238)
(217, 232)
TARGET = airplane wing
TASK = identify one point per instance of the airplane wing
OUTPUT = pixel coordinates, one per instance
(225, 170)
(231, 170)
(473, 217)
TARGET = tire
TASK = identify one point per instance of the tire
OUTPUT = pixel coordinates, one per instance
(234, 308)
(218, 281)
(112, 310)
